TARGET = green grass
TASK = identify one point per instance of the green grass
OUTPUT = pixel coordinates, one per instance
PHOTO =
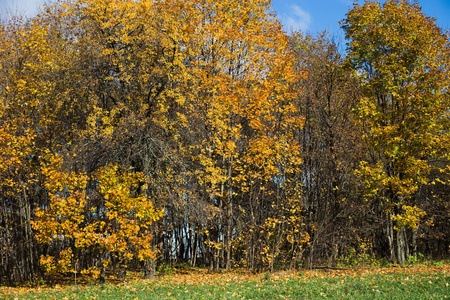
(406, 285)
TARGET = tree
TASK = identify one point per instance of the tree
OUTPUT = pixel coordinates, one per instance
(34, 116)
(119, 110)
(402, 60)
(67, 92)
(244, 159)
(331, 147)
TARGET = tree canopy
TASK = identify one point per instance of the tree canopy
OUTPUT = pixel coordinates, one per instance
(138, 134)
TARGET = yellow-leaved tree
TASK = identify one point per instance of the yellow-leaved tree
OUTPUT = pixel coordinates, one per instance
(246, 159)
(124, 73)
(120, 110)
(402, 59)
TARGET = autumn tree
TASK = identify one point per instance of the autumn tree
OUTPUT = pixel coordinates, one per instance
(331, 147)
(129, 62)
(241, 122)
(65, 99)
(134, 133)
(402, 60)
(34, 116)
(125, 109)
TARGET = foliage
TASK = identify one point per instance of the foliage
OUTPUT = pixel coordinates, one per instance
(402, 61)
(331, 147)
(142, 135)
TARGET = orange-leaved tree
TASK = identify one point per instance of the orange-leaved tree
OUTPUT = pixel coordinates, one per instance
(36, 114)
(125, 68)
(245, 158)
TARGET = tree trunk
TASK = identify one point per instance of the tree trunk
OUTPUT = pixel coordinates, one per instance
(402, 246)
(149, 269)
(414, 242)
(194, 248)
(229, 234)
(390, 236)
(102, 275)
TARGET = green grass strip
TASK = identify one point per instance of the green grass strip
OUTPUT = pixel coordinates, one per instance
(374, 286)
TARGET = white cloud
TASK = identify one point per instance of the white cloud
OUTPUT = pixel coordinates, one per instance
(297, 19)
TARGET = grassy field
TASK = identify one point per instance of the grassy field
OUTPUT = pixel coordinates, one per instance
(419, 282)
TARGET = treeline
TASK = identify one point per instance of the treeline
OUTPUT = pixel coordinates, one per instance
(138, 134)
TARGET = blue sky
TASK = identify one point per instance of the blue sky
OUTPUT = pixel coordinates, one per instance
(317, 15)
(310, 16)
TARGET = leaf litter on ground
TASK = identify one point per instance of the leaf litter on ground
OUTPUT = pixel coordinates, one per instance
(195, 283)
